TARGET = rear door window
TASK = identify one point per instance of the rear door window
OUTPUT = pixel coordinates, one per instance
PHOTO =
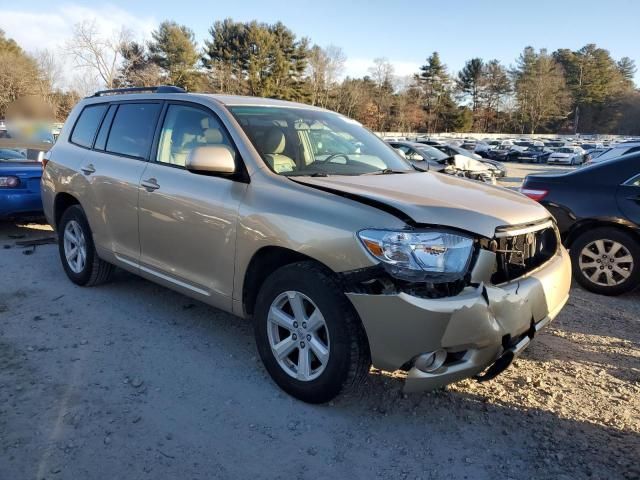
(132, 129)
(101, 139)
(87, 125)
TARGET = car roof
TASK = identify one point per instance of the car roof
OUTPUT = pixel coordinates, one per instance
(227, 100)
(624, 145)
(236, 100)
(408, 143)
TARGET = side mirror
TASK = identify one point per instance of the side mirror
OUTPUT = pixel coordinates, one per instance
(212, 159)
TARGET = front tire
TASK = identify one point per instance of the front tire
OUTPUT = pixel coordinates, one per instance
(77, 251)
(606, 261)
(308, 334)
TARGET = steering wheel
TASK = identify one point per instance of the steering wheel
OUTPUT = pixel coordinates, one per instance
(334, 155)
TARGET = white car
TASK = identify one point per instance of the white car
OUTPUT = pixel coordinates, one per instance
(567, 156)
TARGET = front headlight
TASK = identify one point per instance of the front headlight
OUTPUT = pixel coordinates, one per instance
(435, 256)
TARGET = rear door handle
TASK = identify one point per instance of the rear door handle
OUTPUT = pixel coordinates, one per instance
(89, 169)
(150, 184)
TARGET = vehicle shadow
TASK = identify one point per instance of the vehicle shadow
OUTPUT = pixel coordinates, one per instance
(24, 229)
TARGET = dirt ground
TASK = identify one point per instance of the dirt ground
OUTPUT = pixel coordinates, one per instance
(132, 381)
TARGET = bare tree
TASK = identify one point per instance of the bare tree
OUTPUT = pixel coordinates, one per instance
(85, 84)
(325, 66)
(96, 52)
(50, 68)
(382, 72)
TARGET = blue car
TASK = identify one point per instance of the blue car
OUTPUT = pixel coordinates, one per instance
(19, 185)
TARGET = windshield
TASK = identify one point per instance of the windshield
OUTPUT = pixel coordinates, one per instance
(565, 150)
(12, 156)
(432, 153)
(298, 141)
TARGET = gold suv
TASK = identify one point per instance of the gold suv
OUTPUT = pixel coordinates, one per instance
(341, 252)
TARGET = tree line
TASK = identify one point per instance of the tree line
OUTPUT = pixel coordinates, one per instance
(564, 91)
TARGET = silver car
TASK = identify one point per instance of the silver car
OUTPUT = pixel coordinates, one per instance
(299, 218)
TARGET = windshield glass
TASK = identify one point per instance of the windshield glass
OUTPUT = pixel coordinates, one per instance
(432, 153)
(565, 150)
(12, 156)
(298, 141)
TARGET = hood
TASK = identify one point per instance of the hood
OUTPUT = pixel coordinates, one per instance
(438, 199)
(562, 155)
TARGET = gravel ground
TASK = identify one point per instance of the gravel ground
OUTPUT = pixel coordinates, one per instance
(130, 380)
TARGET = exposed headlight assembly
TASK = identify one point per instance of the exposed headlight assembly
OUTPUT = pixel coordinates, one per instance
(435, 256)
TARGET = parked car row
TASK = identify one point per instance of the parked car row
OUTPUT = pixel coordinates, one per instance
(561, 151)
(449, 159)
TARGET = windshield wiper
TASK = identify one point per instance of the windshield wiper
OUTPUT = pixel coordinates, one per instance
(386, 171)
(314, 174)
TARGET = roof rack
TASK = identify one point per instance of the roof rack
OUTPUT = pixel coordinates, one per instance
(156, 89)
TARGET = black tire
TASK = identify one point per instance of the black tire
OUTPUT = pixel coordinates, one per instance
(349, 357)
(96, 270)
(629, 242)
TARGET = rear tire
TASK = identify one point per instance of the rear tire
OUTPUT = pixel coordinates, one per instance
(347, 358)
(77, 250)
(600, 271)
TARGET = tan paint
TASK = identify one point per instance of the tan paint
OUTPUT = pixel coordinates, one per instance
(197, 234)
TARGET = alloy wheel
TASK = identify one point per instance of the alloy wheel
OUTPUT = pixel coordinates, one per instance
(606, 262)
(75, 247)
(298, 336)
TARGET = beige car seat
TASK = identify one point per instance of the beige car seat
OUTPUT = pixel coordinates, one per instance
(273, 144)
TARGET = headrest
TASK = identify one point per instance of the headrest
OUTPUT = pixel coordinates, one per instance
(213, 135)
(273, 142)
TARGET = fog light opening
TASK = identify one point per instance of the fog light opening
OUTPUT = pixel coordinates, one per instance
(431, 361)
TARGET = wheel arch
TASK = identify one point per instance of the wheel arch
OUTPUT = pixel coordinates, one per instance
(587, 225)
(61, 203)
(264, 262)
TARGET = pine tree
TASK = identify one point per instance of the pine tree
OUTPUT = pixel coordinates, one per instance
(541, 93)
(173, 48)
(437, 88)
(470, 81)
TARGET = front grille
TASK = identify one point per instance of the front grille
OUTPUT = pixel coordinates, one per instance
(519, 251)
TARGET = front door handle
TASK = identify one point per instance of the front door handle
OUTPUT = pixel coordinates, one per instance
(89, 169)
(150, 184)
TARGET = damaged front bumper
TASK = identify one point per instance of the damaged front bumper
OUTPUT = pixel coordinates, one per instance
(476, 328)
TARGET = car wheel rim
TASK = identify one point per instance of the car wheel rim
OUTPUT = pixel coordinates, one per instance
(606, 262)
(75, 247)
(298, 336)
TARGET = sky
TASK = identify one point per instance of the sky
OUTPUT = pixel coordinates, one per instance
(405, 32)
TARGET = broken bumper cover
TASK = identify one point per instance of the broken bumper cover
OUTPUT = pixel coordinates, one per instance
(475, 328)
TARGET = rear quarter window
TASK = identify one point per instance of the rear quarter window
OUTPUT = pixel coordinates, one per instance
(87, 124)
(132, 129)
